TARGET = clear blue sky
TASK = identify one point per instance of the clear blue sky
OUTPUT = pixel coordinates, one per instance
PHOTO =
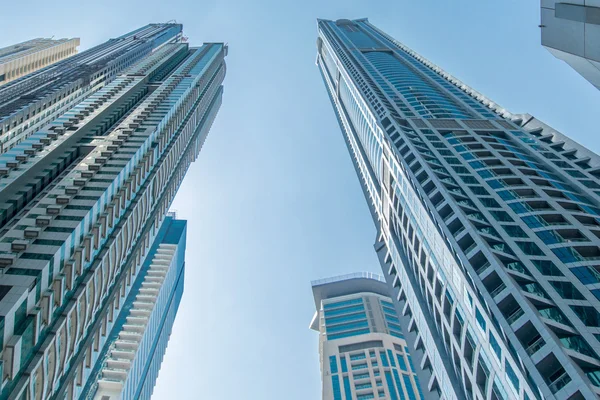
(273, 201)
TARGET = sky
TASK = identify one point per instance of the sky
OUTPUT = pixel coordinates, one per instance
(273, 201)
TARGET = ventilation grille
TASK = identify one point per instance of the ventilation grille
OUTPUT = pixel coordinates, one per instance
(479, 124)
(445, 124)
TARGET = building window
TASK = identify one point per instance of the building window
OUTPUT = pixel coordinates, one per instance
(496, 347)
(512, 376)
(333, 364)
(588, 315)
(514, 231)
(480, 319)
(567, 290)
(530, 248)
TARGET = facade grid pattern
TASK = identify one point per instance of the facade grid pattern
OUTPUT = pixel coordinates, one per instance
(488, 223)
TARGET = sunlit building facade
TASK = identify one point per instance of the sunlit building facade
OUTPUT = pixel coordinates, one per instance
(488, 223)
(130, 360)
(362, 351)
(37, 98)
(82, 202)
(26, 57)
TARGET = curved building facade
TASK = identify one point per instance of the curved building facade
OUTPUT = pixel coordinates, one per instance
(488, 223)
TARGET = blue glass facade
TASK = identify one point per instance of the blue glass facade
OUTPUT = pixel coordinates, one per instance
(362, 346)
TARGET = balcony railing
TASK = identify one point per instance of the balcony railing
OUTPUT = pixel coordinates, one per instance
(515, 315)
(560, 382)
(483, 268)
(497, 291)
(535, 346)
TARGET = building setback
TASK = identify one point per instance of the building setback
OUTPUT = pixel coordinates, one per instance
(488, 223)
(23, 58)
(30, 102)
(362, 350)
(571, 32)
(83, 201)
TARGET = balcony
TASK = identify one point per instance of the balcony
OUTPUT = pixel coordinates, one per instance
(560, 382)
(554, 315)
(515, 315)
(497, 291)
(535, 346)
(483, 267)
(518, 267)
(535, 289)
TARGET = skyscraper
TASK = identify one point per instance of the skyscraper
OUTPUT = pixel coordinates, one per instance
(570, 32)
(83, 200)
(362, 350)
(23, 58)
(130, 360)
(30, 102)
(488, 223)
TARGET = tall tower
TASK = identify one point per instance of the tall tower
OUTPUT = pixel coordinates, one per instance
(570, 32)
(362, 350)
(130, 359)
(23, 58)
(488, 223)
(37, 98)
(83, 202)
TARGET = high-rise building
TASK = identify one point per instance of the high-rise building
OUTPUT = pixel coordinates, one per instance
(571, 32)
(83, 200)
(32, 101)
(131, 357)
(362, 351)
(23, 58)
(488, 223)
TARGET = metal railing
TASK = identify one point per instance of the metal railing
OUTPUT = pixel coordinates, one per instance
(355, 275)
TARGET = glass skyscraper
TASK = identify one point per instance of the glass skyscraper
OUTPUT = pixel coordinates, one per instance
(130, 360)
(29, 102)
(362, 350)
(90, 282)
(488, 223)
(27, 57)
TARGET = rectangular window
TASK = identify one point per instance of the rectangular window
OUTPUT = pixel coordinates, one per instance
(37, 256)
(390, 384)
(496, 347)
(530, 248)
(329, 306)
(333, 365)
(480, 319)
(514, 231)
(501, 216)
(512, 377)
(391, 358)
(547, 267)
(347, 388)
(337, 391)
(409, 387)
(58, 229)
